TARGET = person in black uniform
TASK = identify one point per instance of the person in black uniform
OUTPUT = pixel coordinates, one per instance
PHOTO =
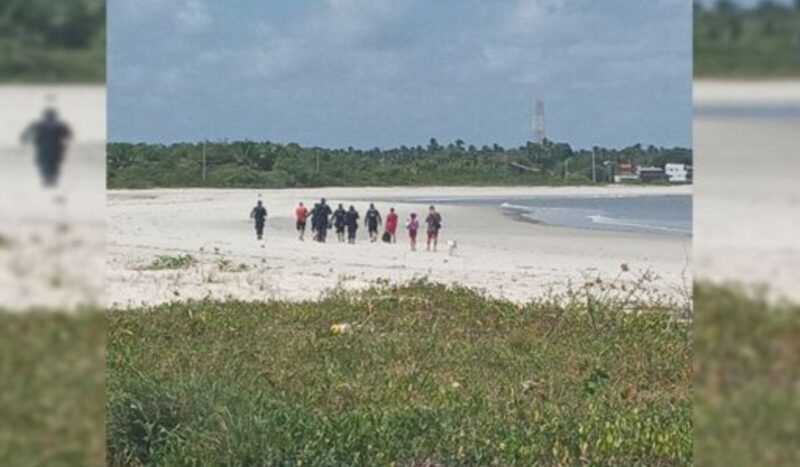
(315, 222)
(259, 214)
(324, 214)
(372, 219)
(351, 222)
(49, 135)
(338, 221)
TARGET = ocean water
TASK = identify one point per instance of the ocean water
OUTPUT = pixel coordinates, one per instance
(667, 214)
(657, 214)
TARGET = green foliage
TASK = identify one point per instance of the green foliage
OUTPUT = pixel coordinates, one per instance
(247, 164)
(746, 380)
(52, 384)
(5, 242)
(171, 262)
(47, 41)
(732, 41)
(429, 375)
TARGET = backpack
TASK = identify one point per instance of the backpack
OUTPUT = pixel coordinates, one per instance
(437, 221)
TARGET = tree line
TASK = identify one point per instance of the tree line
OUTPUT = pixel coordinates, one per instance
(735, 41)
(52, 41)
(244, 164)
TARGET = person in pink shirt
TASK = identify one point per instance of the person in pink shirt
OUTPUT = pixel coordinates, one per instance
(412, 224)
(391, 225)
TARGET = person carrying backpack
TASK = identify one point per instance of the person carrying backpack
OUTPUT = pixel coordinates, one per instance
(434, 222)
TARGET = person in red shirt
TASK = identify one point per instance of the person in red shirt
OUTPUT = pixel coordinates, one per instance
(301, 214)
(391, 225)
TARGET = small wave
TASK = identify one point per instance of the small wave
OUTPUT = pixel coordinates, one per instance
(516, 207)
(605, 220)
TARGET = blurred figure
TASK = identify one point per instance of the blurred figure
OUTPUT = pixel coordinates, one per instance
(320, 220)
(301, 214)
(372, 220)
(412, 224)
(338, 220)
(351, 222)
(391, 225)
(434, 221)
(259, 215)
(49, 137)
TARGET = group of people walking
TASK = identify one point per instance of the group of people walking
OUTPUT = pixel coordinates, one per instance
(345, 222)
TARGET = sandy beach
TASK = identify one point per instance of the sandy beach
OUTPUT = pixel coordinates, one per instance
(747, 198)
(496, 253)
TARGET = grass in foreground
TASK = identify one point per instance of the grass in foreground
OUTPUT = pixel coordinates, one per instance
(162, 262)
(425, 375)
(747, 379)
(52, 385)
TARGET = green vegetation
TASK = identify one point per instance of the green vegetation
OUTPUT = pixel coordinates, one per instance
(747, 379)
(732, 41)
(5, 242)
(171, 262)
(52, 41)
(422, 375)
(246, 164)
(52, 386)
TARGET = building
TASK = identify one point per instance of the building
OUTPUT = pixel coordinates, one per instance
(651, 174)
(625, 172)
(678, 173)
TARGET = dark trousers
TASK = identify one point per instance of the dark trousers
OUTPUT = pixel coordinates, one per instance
(49, 164)
(259, 230)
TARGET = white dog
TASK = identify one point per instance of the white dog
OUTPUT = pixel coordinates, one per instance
(452, 246)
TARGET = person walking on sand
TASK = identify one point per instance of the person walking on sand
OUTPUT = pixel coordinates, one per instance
(351, 222)
(259, 215)
(338, 220)
(372, 219)
(434, 222)
(49, 136)
(391, 225)
(323, 220)
(314, 221)
(301, 214)
(412, 224)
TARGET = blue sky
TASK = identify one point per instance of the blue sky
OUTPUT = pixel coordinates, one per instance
(368, 73)
(747, 3)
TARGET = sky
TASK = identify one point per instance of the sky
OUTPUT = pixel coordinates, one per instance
(747, 3)
(385, 73)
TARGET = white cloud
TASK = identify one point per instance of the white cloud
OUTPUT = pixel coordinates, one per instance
(192, 16)
(186, 16)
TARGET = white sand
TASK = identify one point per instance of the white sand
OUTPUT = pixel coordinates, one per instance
(747, 190)
(503, 256)
(747, 92)
(52, 253)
